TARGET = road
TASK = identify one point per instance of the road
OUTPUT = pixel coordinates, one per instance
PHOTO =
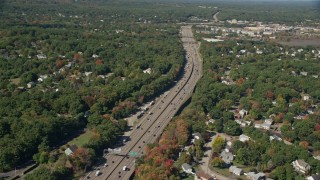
(215, 18)
(153, 124)
(204, 163)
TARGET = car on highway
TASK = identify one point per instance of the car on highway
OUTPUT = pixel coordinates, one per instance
(124, 168)
(98, 173)
(138, 126)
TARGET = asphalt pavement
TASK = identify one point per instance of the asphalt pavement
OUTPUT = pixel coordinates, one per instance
(151, 126)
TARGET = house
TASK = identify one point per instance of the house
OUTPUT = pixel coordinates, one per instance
(87, 73)
(316, 157)
(95, 56)
(259, 52)
(227, 157)
(243, 113)
(275, 137)
(311, 110)
(197, 136)
(70, 150)
(243, 123)
(69, 64)
(235, 170)
(301, 166)
(31, 84)
(42, 78)
(314, 177)
(306, 97)
(186, 168)
(211, 121)
(239, 114)
(244, 138)
(200, 175)
(265, 125)
(41, 56)
(303, 73)
(147, 71)
(254, 176)
(242, 51)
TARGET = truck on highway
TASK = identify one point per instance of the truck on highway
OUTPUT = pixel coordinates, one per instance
(140, 114)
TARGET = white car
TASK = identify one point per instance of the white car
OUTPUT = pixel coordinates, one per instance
(124, 168)
(97, 173)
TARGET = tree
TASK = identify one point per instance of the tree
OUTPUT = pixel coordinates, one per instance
(199, 148)
(283, 172)
(41, 173)
(81, 158)
(217, 162)
(218, 144)
(236, 145)
(182, 133)
(232, 128)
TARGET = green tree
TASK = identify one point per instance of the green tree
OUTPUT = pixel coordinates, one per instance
(217, 144)
(232, 128)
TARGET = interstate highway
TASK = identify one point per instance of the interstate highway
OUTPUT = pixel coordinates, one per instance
(152, 125)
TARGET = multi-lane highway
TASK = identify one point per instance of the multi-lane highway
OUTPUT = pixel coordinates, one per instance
(153, 123)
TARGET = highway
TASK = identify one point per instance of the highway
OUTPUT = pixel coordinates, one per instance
(153, 123)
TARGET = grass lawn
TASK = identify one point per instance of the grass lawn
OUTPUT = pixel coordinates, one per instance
(224, 171)
(15, 81)
(82, 139)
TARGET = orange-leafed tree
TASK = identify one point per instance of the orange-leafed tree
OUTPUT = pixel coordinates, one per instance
(59, 63)
(99, 62)
(182, 132)
(304, 144)
(240, 81)
(76, 56)
(81, 158)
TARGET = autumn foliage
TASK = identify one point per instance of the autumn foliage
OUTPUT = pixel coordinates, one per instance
(99, 62)
(158, 162)
(59, 64)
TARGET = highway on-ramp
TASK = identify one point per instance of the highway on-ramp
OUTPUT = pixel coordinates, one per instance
(153, 123)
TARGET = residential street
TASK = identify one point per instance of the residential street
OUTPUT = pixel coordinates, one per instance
(205, 160)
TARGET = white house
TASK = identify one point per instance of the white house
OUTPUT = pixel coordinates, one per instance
(244, 138)
(306, 97)
(187, 168)
(227, 157)
(42, 77)
(275, 137)
(70, 150)
(30, 84)
(41, 56)
(254, 176)
(197, 136)
(235, 170)
(243, 113)
(314, 177)
(87, 73)
(303, 73)
(147, 71)
(265, 125)
(301, 166)
(95, 56)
